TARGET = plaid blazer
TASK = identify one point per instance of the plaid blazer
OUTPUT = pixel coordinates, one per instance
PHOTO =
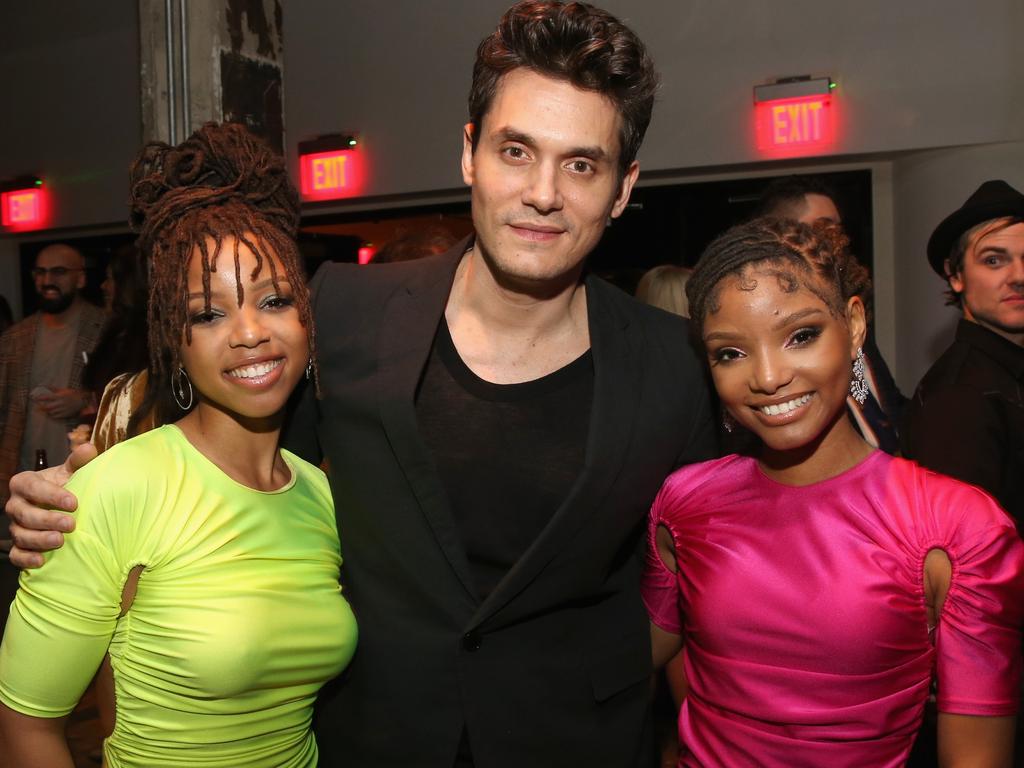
(16, 349)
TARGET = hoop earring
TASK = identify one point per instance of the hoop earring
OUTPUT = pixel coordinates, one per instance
(178, 388)
(858, 384)
(309, 369)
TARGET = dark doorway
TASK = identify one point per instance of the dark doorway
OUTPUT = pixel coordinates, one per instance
(670, 224)
(674, 224)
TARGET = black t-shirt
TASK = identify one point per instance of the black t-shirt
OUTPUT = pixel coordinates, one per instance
(507, 454)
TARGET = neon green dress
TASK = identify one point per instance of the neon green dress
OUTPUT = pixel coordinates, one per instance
(237, 622)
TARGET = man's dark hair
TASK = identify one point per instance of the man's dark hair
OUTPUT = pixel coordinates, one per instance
(576, 42)
(789, 192)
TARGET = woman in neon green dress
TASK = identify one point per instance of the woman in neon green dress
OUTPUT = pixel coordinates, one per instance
(205, 559)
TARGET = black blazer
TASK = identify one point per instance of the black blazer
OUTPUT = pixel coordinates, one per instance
(552, 668)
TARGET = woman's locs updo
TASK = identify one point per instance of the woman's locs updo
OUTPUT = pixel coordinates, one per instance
(220, 183)
(814, 257)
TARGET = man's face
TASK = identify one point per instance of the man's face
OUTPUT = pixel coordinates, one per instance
(819, 208)
(59, 275)
(991, 281)
(545, 178)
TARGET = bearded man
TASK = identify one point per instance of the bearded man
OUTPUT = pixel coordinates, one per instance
(41, 363)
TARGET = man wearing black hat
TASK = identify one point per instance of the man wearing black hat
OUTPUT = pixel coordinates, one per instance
(967, 417)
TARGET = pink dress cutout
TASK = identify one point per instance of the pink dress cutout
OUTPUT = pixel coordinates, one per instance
(803, 610)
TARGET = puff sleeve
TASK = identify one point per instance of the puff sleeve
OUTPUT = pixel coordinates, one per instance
(658, 585)
(64, 614)
(978, 636)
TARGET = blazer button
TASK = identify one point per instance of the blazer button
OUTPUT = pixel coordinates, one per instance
(471, 641)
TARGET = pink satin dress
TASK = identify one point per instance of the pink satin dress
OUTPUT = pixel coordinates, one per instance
(802, 608)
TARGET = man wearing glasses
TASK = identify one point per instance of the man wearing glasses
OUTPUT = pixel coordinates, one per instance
(41, 362)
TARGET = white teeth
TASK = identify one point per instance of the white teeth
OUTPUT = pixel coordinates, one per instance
(255, 370)
(792, 405)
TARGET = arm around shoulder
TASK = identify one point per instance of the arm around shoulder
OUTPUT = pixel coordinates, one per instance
(34, 508)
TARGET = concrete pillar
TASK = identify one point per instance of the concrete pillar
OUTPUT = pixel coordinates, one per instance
(232, 50)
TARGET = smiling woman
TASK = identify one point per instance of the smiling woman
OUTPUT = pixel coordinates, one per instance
(247, 352)
(819, 583)
(204, 563)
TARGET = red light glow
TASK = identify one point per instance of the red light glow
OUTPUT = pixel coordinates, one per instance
(23, 209)
(331, 175)
(366, 254)
(798, 126)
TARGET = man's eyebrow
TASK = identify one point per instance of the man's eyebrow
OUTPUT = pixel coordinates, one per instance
(511, 134)
(990, 249)
(520, 137)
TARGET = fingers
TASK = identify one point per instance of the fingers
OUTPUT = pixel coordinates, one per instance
(28, 544)
(37, 492)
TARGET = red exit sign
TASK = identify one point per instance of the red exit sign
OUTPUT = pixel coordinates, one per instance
(331, 174)
(799, 125)
(23, 209)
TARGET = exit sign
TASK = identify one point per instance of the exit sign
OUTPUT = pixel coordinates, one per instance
(331, 167)
(795, 116)
(795, 126)
(23, 209)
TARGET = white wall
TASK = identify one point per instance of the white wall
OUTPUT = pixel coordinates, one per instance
(71, 102)
(928, 186)
(910, 75)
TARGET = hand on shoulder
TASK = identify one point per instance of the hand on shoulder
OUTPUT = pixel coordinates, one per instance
(36, 524)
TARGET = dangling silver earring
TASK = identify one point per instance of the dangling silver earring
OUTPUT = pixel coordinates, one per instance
(309, 369)
(728, 421)
(858, 384)
(179, 382)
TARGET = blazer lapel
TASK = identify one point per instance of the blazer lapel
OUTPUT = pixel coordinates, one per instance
(617, 375)
(408, 327)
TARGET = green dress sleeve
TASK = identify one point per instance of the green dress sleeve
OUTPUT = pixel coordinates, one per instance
(65, 612)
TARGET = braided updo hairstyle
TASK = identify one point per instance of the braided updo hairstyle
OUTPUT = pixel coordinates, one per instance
(814, 257)
(221, 182)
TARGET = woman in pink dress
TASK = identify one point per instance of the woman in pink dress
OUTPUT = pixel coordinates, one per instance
(821, 585)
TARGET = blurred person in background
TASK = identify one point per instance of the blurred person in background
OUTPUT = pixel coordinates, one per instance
(966, 418)
(42, 360)
(116, 375)
(664, 287)
(408, 246)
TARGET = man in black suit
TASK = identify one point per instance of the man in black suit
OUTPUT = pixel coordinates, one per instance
(496, 424)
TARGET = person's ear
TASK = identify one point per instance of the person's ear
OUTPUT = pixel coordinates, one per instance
(955, 280)
(857, 320)
(467, 153)
(625, 189)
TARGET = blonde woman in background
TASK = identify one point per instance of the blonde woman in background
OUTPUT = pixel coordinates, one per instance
(665, 287)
